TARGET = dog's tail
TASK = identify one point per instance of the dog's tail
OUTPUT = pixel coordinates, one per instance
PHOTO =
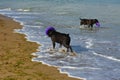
(67, 34)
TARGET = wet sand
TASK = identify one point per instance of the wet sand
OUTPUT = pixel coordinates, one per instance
(15, 56)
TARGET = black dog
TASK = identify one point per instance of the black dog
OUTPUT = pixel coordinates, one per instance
(61, 38)
(89, 22)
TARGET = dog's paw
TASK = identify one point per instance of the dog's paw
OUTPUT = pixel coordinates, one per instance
(73, 54)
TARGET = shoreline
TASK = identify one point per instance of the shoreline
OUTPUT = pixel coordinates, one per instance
(15, 56)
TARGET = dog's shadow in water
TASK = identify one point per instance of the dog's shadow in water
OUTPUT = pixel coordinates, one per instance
(78, 48)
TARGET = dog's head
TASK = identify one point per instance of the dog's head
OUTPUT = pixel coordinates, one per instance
(49, 30)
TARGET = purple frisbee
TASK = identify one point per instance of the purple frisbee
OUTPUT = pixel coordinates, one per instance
(98, 24)
(49, 28)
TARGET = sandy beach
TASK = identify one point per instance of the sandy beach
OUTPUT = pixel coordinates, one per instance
(15, 56)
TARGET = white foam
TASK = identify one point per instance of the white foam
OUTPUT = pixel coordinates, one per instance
(32, 26)
(70, 67)
(70, 75)
(89, 43)
(6, 9)
(33, 59)
(21, 23)
(34, 54)
(108, 57)
(83, 26)
(25, 10)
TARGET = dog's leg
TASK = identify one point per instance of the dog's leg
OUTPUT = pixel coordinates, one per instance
(68, 47)
(60, 46)
(53, 45)
(71, 49)
(89, 25)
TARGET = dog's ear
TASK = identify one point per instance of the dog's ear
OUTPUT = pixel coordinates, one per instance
(80, 18)
(96, 20)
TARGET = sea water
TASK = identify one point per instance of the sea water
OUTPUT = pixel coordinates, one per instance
(98, 50)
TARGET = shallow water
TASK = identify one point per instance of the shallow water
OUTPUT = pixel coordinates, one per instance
(98, 50)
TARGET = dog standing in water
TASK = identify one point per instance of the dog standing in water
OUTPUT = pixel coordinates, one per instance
(57, 37)
(89, 22)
